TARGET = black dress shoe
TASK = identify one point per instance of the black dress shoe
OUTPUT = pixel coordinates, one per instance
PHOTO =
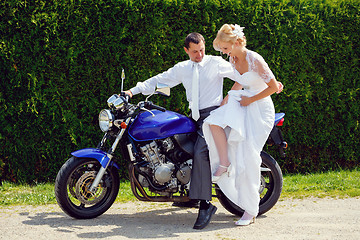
(204, 217)
(190, 204)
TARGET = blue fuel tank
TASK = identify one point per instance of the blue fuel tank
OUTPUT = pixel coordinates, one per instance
(164, 124)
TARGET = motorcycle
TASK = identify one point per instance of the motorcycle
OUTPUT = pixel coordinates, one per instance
(158, 145)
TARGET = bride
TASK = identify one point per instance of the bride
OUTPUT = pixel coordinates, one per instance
(237, 131)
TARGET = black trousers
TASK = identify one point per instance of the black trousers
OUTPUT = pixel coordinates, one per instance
(200, 185)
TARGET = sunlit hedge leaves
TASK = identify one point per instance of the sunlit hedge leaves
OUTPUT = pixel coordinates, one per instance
(61, 59)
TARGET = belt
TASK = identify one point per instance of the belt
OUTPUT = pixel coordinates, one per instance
(207, 110)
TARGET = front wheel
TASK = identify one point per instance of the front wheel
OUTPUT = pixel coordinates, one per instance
(72, 188)
(270, 187)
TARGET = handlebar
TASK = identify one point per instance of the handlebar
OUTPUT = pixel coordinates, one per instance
(126, 96)
(150, 106)
(147, 104)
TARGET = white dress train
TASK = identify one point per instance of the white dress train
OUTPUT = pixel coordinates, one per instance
(247, 129)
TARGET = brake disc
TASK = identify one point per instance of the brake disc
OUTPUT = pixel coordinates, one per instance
(83, 193)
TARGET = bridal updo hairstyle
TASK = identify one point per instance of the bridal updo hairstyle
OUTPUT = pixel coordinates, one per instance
(226, 34)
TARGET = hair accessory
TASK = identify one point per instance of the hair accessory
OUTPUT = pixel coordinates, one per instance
(238, 31)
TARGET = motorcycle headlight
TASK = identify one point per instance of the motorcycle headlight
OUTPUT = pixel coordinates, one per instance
(106, 120)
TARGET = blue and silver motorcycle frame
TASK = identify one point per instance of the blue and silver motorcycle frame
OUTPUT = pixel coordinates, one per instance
(146, 126)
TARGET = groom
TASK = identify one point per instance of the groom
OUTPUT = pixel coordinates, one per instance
(209, 97)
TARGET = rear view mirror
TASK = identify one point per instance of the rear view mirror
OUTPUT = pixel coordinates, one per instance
(163, 89)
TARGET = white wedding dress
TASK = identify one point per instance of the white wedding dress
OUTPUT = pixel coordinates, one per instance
(247, 129)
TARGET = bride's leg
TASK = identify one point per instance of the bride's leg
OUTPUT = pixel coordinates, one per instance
(220, 140)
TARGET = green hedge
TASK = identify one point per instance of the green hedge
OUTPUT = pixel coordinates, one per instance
(61, 60)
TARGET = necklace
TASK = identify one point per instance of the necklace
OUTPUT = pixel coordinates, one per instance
(241, 63)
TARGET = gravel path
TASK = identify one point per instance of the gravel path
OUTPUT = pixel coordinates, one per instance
(290, 219)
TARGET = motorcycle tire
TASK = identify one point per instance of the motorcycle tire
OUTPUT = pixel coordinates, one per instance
(72, 188)
(271, 186)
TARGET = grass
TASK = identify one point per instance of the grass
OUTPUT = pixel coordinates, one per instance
(336, 184)
(13, 194)
(40, 194)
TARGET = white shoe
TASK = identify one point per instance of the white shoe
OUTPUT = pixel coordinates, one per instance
(245, 222)
(214, 179)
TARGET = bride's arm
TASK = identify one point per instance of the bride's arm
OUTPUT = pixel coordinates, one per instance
(273, 87)
(261, 67)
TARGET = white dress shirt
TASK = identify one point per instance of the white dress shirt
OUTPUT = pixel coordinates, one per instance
(212, 71)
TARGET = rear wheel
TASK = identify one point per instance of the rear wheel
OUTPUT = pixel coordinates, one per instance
(270, 187)
(72, 188)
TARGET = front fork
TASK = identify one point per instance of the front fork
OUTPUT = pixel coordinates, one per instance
(109, 156)
(99, 175)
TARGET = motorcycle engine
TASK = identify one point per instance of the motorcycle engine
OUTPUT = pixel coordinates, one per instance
(163, 170)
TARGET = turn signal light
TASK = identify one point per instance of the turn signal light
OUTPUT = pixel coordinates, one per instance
(123, 125)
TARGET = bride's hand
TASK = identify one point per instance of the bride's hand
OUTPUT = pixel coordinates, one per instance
(245, 101)
(281, 87)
